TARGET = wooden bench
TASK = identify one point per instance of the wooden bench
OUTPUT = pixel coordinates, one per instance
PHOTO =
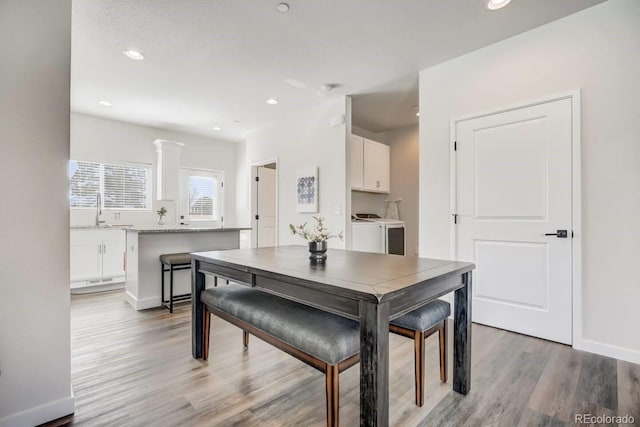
(418, 325)
(328, 342)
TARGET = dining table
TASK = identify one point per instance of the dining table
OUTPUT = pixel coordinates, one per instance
(371, 288)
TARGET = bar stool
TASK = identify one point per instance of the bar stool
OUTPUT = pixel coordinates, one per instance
(419, 324)
(173, 262)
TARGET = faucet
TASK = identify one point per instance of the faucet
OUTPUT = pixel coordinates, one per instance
(98, 209)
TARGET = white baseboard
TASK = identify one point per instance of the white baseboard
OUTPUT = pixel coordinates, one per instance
(142, 304)
(99, 288)
(41, 414)
(608, 350)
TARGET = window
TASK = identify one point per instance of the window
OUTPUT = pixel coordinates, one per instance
(201, 195)
(123, 187)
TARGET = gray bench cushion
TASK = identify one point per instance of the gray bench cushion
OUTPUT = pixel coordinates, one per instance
(176, 259)
(424, 317)
(325, 336)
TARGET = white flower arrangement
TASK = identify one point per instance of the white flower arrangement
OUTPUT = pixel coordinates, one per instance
(317, 233)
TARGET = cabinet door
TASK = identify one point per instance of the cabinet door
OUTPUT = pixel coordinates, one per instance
(376, 166)
(367, 237)
(86, 259)
(113, 249)
(356, 162)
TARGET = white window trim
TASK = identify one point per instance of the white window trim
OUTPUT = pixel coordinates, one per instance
(183, 203)
(147, 166)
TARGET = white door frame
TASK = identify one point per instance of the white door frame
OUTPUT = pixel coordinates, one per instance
(576, 194)
(254, 198)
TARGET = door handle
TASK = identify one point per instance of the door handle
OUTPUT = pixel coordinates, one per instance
(560, 234)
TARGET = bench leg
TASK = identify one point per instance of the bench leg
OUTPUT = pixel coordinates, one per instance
(333, 396)
(443, 351)
(418, 339)
(245, 338)
(206, 331)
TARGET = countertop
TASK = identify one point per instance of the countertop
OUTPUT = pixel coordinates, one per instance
(158, 228)
(147, 229)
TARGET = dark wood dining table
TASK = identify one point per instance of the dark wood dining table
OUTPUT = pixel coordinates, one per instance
(368, 287)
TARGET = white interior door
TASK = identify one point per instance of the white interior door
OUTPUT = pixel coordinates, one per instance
(266, 200)
(513, 187)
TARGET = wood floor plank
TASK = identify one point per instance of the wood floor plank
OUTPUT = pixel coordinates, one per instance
(555, 392)
(597, 388)
(629, 390)
(133, 369)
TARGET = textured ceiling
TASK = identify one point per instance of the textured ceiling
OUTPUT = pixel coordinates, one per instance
(215, 62)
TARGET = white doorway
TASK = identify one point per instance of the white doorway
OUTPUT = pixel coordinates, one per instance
(265, 204)
(514, 205)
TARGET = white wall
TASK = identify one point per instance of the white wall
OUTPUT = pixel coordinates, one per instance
(304, 140)
(404, 143)
(35, 372)
(103, 140)
(595, 50)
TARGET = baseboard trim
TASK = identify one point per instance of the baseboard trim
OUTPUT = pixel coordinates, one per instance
(608, 350)
(142, 304)
(41, 414)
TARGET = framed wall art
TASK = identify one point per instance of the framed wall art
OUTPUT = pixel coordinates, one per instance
(307, 190)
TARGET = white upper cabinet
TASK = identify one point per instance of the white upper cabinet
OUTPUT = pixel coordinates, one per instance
(369, 165)
(357, 157)
(168, 167)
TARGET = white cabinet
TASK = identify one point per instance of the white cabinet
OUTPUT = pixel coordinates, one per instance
(168, 166)
(357, 154)
(367, 237)
(97, 257)
(370, 162)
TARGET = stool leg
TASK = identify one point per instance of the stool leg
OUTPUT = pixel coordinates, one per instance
(443, 351)
(418, 339)
(162, 282)
(171, 290)
(245, 338)
(333, 395)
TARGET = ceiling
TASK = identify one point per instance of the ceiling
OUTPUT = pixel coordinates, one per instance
(215, 62)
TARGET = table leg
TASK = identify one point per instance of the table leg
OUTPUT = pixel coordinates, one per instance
(462, 337)
(197, 286)
(374, 364)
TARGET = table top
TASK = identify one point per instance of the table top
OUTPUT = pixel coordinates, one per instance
(362, 274)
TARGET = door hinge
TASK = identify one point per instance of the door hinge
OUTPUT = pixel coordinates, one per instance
(455, 145)
(257, 217)
(222, 184)
(455, 218)
(257, 178)
(221, 219)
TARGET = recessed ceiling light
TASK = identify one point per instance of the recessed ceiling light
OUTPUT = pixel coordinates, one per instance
(216, 128)
(105, 103)
(134, 54)
(497, 4)
(283, 8)
(271, 101)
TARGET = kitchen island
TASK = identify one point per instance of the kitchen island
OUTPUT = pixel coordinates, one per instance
(144, 245)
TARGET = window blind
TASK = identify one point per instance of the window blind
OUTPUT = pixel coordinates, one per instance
(202, 197)
(122, 186)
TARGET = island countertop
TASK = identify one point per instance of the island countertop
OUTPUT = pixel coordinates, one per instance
(148, 229)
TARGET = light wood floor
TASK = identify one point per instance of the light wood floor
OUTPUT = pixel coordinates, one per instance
(135, 369)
